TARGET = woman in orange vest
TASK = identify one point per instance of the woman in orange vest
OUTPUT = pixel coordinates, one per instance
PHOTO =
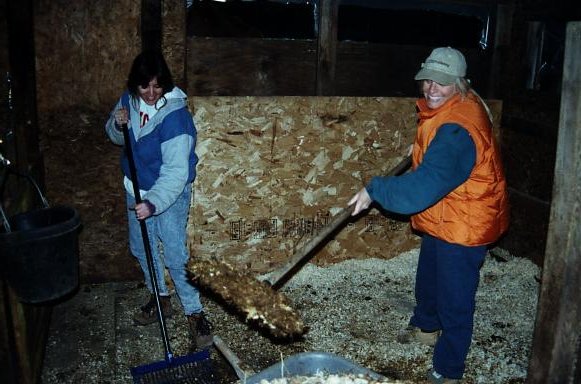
(456, 196)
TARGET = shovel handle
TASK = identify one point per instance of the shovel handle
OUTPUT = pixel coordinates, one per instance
(231, 357)
(275, 278)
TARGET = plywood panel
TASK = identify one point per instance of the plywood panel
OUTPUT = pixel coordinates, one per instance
(273, 170)
(84, 51)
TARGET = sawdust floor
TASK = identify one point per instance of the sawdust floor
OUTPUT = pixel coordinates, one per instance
(353, 309)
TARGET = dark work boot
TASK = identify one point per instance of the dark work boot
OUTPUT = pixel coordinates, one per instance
(200, 331)
(148, 312)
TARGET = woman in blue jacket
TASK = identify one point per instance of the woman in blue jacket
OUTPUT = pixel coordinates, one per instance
(163, 140)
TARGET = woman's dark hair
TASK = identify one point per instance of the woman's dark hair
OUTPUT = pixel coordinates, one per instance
(147, 66)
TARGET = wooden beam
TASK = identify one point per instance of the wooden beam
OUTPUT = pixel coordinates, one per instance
(327, 48)
(500, 48)
(25, 327)
(151, 25)
(557, 337)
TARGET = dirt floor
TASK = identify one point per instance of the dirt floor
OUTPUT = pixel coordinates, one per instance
(353, 309)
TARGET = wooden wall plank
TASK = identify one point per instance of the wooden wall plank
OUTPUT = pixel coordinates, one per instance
(278, 67)
(97, 42)
(251, 67)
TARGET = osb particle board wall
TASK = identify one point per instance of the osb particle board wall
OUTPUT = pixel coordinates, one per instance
(273, 170)
(84, 49)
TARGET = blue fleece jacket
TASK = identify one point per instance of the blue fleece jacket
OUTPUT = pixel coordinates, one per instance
(447, 163)
(163, 149)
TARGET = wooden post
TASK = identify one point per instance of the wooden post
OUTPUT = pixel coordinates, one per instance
(502, 42)
(25, 327)
(327, 48)
(22, 70)
(557, 338)
(534, 52)
(151, 24)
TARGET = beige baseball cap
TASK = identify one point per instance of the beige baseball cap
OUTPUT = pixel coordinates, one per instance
(444, 66)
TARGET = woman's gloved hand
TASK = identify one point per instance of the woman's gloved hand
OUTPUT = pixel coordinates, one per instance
(362, 201)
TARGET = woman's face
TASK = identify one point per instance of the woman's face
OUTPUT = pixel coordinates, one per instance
(152, 93)
(436, 94)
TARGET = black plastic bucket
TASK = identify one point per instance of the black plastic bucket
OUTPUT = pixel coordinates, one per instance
(40, 254)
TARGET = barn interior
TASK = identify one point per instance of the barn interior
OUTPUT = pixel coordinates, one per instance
(326, 84)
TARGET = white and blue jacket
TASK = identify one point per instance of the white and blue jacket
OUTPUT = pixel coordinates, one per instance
(163, 149)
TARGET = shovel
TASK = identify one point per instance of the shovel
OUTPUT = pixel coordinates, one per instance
(259, 300)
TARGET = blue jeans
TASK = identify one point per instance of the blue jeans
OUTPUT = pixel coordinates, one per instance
(446, 283)
(166, 231)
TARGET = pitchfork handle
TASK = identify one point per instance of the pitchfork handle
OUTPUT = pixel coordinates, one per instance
(146, 244)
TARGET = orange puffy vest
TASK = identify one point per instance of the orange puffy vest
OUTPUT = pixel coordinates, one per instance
(476, 212)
